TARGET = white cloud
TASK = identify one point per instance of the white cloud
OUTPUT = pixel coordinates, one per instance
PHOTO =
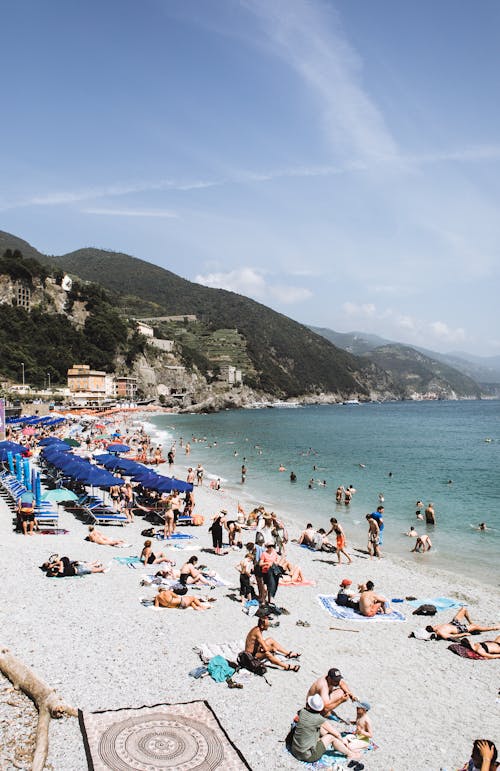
(252, 283)
(443, 332)
(365, 310)
(162, 213)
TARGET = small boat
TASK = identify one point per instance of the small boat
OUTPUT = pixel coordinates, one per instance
(351, 401)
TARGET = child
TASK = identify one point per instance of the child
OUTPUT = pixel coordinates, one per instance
(245, 569)
(364, 733)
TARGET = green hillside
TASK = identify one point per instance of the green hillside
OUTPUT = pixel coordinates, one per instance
(287, 358)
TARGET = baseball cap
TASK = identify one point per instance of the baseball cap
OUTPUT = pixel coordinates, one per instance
(346, 582)
(334, 674)
(363, 704)
(315, 703)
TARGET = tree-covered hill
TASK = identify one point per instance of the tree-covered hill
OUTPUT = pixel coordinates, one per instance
(288, 359)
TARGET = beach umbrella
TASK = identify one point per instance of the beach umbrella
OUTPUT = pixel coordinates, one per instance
(28, 431)
(116, 447)
(59, 494)
(71, 442)
(13, 447)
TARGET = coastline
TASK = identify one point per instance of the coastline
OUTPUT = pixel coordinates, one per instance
(93, 640)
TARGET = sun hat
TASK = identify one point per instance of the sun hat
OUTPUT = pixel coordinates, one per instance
(223, 511)
(363, 705)
(315, 703)
(346, 582)
(334, 674)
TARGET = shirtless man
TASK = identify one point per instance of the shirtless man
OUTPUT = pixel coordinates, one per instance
(307, 535)
(459, 626)
(263, 648)
(373, 537)
(430, 515)
(95, 536)
(167, 599)
(487, 649)
(332, 689)
(190, 476)
(370, 603)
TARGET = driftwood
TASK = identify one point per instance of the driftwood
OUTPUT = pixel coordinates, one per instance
(341, 629)
(45, 698)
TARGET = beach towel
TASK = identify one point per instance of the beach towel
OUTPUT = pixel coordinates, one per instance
(306, 582)
(440, 603)
(130, 562)
(465, 652)
(219, 670)
(228, 650)
(159, 737)
(175, 537)
(327, 601)
(333, 760)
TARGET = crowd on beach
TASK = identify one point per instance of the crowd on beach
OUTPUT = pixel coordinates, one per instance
(260, 539)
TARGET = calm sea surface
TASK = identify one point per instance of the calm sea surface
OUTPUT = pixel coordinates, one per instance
(409, 450)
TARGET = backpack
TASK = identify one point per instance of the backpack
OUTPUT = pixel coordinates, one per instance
(425, 610)
(248, 661)
(149, 532)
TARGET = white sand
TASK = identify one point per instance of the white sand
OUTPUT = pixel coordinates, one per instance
(92, 639)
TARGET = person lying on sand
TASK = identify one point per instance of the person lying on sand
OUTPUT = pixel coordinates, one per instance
(488, 649)
(63, 567)
(459, 626)
(370, 603)
(263, 648)
(293, 573)
(95, 536)
(332, 689)
(313, 735)
(167, 599)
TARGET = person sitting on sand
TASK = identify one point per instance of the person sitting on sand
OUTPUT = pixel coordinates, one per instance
(483, 758)
(313, 735)
(95, 536)
(265, 649)
(363, 723)
(460, 626)
(370, 603)
(167, 599)
(321, 542)
(293, 573)
(423, 543)
(149, 557)
(191, 575)
(63, 567)
(487, 649)
(307, 536)
(345, 598)
(333, 689)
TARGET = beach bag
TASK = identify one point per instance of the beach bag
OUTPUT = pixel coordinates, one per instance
(149, 532)
(247, 661)
(197, 519)
(179, 589)
(422, 634)
(425, 610)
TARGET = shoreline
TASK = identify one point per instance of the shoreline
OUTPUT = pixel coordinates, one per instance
(92, 640)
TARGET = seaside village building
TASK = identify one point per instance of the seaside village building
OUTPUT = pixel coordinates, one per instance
(89, 386)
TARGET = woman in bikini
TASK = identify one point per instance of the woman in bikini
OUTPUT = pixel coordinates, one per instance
(487, 649)
(167, 599)
(149, 557)
(190, 573)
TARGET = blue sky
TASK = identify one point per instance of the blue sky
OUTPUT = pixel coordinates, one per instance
(337, 161)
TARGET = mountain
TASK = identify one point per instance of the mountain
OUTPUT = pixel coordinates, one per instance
(419, 374)
(353, 342)
(287, 358)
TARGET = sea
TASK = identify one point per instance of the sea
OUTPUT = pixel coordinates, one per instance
(444, 452)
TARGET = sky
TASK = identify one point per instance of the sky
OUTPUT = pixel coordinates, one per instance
(336, 160)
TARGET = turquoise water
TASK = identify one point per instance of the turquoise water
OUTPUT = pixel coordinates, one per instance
(422, 444)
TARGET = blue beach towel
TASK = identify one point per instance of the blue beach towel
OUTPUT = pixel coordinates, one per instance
(440, 603)
(174, 537)
(131, 562)
(327, 601)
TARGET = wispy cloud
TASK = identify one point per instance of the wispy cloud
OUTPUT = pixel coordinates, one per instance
(162, 213)
(254, 283)
(309, 38)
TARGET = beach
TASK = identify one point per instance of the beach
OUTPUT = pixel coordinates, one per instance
(93, 640)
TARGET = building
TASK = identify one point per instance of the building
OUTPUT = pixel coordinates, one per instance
(145, 329)
(82, 378)
(163, 345)
(230, 375)
(126, 388)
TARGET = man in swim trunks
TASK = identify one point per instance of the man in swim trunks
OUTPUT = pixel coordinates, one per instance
(95, 536)
(378, 516)
(307, 535)
(266, 648)
(459, 626)
(167, 599)
(423, 543)
(370, 603)
(332, 689)
(373, 537)
(430, 515)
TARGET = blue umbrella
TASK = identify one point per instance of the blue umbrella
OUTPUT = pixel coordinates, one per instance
(116, 447)
(12, 447)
